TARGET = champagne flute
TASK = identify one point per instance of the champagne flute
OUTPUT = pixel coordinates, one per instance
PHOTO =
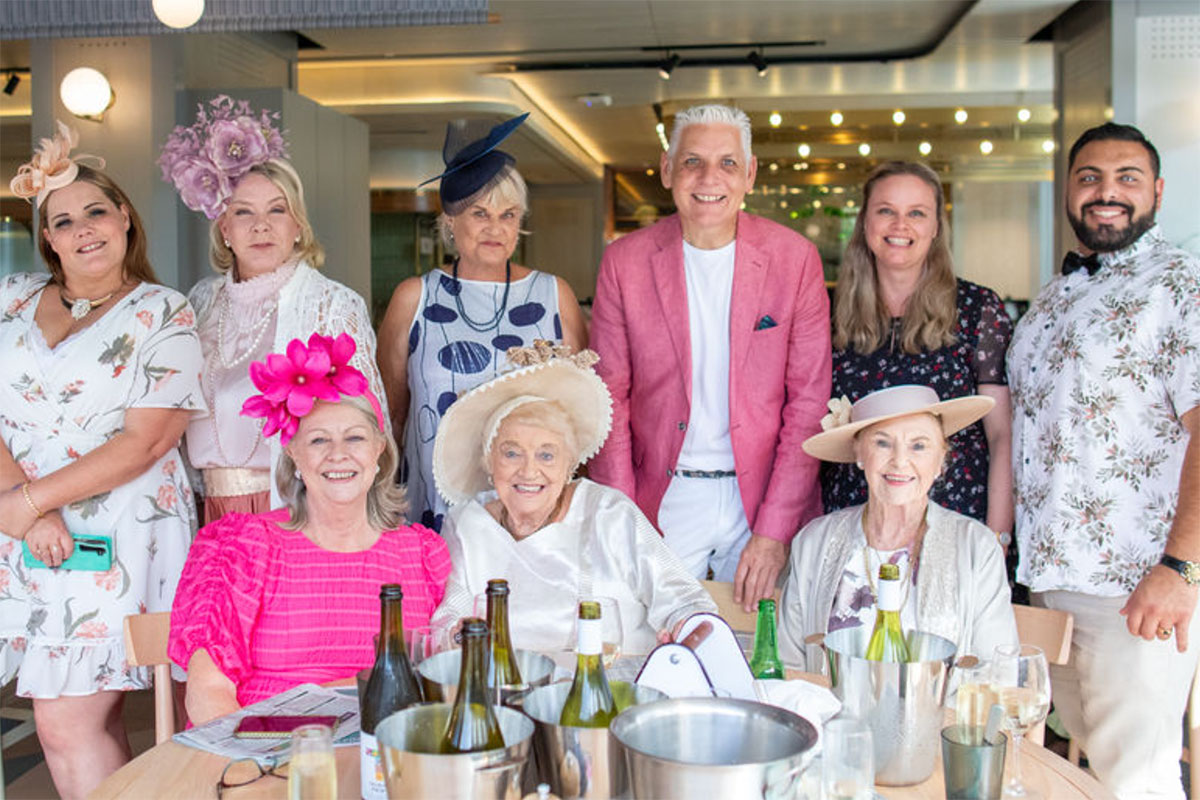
(1022, 682)
(312, 772)
(976, 694)
(611, 633)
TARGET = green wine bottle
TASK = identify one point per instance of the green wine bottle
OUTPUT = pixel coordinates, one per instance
(765, 663)
(887, 640)
(393, 685)
(473, 725)
(504, 670)
(590, 703)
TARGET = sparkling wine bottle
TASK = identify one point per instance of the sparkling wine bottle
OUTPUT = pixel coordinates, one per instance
(473, 725)
(589, 704)
(504, 669)
(393, 685)
(887, 640)
(765, 663)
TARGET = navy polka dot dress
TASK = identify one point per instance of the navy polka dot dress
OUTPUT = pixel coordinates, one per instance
(458, 339)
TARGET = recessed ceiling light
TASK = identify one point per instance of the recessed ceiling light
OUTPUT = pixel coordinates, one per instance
(986, 147)
(898, 117)
(864, 149)
(960, 116)
(925, 148)
(836, 118)
(1024, 114)
(804, 150)
(776, 119)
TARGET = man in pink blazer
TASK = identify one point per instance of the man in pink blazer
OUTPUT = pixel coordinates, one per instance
(713, 333)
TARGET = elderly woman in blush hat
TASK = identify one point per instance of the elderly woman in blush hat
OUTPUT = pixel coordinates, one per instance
(505, 458)
(447, 330)
(951, 566)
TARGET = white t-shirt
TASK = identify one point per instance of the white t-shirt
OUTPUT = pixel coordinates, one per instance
(709, 273)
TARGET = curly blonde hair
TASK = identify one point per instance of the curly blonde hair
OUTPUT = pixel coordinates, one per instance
(861, 320)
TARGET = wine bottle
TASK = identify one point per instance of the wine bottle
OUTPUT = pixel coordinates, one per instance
(473, 725)
(393, 685)
(765, 663)
(504, 671)
(589, 704)
(887, 640)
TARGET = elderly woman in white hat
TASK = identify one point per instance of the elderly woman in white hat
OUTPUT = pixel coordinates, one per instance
(504, 459)
(951, 566)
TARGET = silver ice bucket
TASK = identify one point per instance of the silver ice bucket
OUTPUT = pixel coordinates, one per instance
(901, 702)
(414, 770)
(714, 747)
(580, 762)
(439, 675)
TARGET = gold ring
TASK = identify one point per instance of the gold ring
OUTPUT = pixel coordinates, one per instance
(1164, 633)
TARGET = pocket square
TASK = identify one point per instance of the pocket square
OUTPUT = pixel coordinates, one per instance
(765, 322)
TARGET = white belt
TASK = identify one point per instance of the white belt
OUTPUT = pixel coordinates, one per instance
(235, 481)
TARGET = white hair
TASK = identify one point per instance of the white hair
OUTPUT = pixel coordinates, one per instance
(711, 114)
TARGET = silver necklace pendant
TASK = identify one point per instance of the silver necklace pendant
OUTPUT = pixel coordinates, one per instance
(81, 307)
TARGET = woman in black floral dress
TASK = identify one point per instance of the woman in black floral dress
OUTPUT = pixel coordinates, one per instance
(901, 317)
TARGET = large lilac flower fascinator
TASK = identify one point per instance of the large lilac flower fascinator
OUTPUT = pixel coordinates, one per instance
(292, 383)
(227, 140)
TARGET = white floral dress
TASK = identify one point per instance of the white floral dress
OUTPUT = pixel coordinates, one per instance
(61, 630)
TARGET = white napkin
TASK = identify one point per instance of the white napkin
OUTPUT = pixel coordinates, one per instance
(815, 703)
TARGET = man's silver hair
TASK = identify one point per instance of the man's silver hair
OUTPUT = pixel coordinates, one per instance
(712, 114)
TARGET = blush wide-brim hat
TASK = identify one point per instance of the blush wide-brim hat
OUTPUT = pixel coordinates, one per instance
(458, 450)
(836, 442)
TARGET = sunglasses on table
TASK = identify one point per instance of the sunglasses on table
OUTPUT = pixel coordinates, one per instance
(245, 771)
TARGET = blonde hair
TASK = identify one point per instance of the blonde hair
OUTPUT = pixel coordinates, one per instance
(284, 176)
(861, 320)
(548, 415)
(506, 190)
(386, 500)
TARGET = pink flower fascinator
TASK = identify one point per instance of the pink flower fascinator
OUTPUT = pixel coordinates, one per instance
(292, 383)
(51, 167)
(227, 140)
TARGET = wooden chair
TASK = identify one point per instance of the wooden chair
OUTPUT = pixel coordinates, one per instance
(722, 594)
(146, 646)
(1050, 630)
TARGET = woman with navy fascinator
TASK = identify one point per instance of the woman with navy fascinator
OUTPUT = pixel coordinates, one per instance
(448, 330)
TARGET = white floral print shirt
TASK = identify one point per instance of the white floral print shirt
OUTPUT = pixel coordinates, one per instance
(1101, 369)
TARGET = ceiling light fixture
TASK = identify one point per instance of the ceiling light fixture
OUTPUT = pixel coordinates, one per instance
(924, 148)
(841, 165)
(11, 84)
(1048, 146)
(668, 65)
(755, 57)
(803, 150)
(178, 13)
(776, 119)
(86, 93)
(836, 118)
(773, 166)
(1024, 114)
(797, 167)
(864, 149)
(898, 117)
(660, 127)
(960, 116)
(986, 147)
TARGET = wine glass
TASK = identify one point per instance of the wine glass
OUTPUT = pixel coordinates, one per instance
(976, 694)
(424, 641)
(611, 634)
(1022, 682)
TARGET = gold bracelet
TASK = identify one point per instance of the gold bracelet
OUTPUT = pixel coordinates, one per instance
(29, 499)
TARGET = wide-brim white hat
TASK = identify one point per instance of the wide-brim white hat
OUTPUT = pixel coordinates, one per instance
(556, 376)
(842, 424)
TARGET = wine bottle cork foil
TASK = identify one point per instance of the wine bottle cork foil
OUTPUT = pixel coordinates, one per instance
(543, 793)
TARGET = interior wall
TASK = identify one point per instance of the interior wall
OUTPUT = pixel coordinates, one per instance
(566, 225)
(997, 239)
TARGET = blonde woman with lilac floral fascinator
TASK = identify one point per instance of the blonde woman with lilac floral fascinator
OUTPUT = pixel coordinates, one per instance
(100, 374)
(230, 166)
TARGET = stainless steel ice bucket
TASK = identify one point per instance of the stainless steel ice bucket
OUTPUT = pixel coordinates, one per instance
(413, 770)
(901, 702)
(439, 675)
(714, 747)
(580, 762)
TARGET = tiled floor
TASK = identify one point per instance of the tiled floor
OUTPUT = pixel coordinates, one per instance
(25, 773)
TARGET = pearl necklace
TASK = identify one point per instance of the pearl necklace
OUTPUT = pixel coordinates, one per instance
(259, 329)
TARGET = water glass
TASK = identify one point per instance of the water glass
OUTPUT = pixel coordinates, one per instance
(312, 771)
(847, 760)
(973, 768)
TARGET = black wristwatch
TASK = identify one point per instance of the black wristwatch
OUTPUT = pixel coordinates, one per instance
(1188, 570)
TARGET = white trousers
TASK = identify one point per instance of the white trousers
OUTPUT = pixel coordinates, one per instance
(703, 523)
(1123, 698)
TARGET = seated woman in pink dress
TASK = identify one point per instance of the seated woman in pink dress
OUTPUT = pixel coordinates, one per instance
(270, 601)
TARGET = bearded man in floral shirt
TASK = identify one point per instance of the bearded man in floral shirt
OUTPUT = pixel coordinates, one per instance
(1105, 377)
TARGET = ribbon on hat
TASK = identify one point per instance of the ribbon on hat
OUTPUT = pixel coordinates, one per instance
(51, 166)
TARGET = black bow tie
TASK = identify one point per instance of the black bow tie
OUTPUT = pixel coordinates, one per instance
(1075, 262)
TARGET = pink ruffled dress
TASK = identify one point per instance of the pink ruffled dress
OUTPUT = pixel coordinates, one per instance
(274, 610)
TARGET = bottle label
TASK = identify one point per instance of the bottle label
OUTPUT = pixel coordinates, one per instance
(591, 637)
(370, 763)
(889, 595)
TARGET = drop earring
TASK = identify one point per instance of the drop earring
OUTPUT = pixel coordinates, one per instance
(858, 464)
(226, 242)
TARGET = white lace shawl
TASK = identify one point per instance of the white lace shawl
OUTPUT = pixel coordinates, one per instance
(310, 303)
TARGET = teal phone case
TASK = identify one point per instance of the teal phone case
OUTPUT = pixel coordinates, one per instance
(92, 554)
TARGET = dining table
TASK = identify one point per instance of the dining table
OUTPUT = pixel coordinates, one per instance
(175, 770)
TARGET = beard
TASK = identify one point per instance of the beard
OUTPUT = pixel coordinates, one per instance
(1106, 238)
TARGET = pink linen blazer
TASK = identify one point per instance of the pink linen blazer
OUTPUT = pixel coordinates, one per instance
(779, 375)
